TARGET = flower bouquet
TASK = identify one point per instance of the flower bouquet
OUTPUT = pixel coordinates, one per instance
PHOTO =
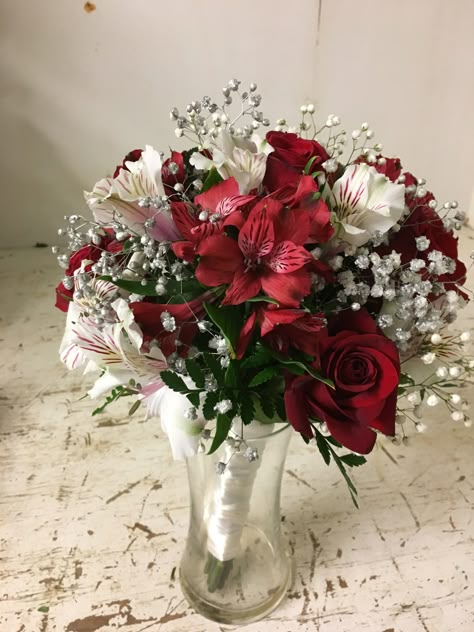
(253, 282)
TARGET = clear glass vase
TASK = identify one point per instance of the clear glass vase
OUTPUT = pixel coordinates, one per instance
(235, 567)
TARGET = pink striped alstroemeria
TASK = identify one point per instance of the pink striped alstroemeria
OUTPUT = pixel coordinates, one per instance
(117, 199)
(365, 202)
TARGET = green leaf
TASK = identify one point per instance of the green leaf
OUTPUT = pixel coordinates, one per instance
(212, 362)
(231, 374)
(212, 179)
(116, 393)
(295, 367)
(195, 372)
(260, 358)
(323, 447)
(263, 376)
(223, 424)
(135, 406)
(247, 409)
(209, 404)
(262, 299)
(268, 406)
(229, 319)
(353, 460)
(176, 291)
(194, 398)
(309, 164)
(43, 609)
(174, 381)
(350, 484)
(333, 441)
(280, 408)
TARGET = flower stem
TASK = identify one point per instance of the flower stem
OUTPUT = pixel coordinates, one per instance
(217, 572)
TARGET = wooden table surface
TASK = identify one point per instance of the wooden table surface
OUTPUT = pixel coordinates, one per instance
(94, 512)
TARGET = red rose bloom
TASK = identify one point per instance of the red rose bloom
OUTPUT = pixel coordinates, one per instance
(289, 157)
(424, 221)
(169, 178)
(392, 167)
(63, 295)
(365, 368)
(147, 316)
(132, 156)
(91, 253)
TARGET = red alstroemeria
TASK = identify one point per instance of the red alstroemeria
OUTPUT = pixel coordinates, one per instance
(303, 197)
(282, 329)
(268, 256)
(222, 202)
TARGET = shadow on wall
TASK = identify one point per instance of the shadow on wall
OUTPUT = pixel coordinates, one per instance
(33, 175)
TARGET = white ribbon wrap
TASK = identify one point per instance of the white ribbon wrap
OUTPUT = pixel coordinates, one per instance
(228, 506)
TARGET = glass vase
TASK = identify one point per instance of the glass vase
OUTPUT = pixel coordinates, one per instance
(235, 567)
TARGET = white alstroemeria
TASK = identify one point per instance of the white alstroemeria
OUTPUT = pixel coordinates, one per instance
(183, 434)
(365, 202)
(236, 157)
(117, 199)
(70, 353)
(114, 348)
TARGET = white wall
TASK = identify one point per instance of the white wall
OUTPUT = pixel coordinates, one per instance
(80, 89)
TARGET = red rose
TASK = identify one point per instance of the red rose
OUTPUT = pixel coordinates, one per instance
(173, 176)
(424, 221)
(289, 157)
(90, 253)
(63, 295)
(391, 167)
(365, 368)
(132, 156)
(147, 315)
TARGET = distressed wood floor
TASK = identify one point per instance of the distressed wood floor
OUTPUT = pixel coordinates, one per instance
(94, 512)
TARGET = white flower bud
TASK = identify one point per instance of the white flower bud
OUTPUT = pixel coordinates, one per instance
(433, 400)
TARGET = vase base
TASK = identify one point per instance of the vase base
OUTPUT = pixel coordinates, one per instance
(235, 614)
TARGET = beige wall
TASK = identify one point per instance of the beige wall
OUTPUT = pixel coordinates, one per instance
(79, 89)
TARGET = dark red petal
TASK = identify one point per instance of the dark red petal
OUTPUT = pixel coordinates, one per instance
(287, 257)
(184, 219)
(184, 250)
(294, 405)
(245, 335)
(256, 237)
(220, 259)
(211, 198)
(244, 286)
(270, 318)
(287, 289)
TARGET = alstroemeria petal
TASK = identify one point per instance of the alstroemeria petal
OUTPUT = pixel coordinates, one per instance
(211, 198)
(287, 289)
(286, 257)
(256, 237)
(351, 191)
(220, 258)
(244, 286)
